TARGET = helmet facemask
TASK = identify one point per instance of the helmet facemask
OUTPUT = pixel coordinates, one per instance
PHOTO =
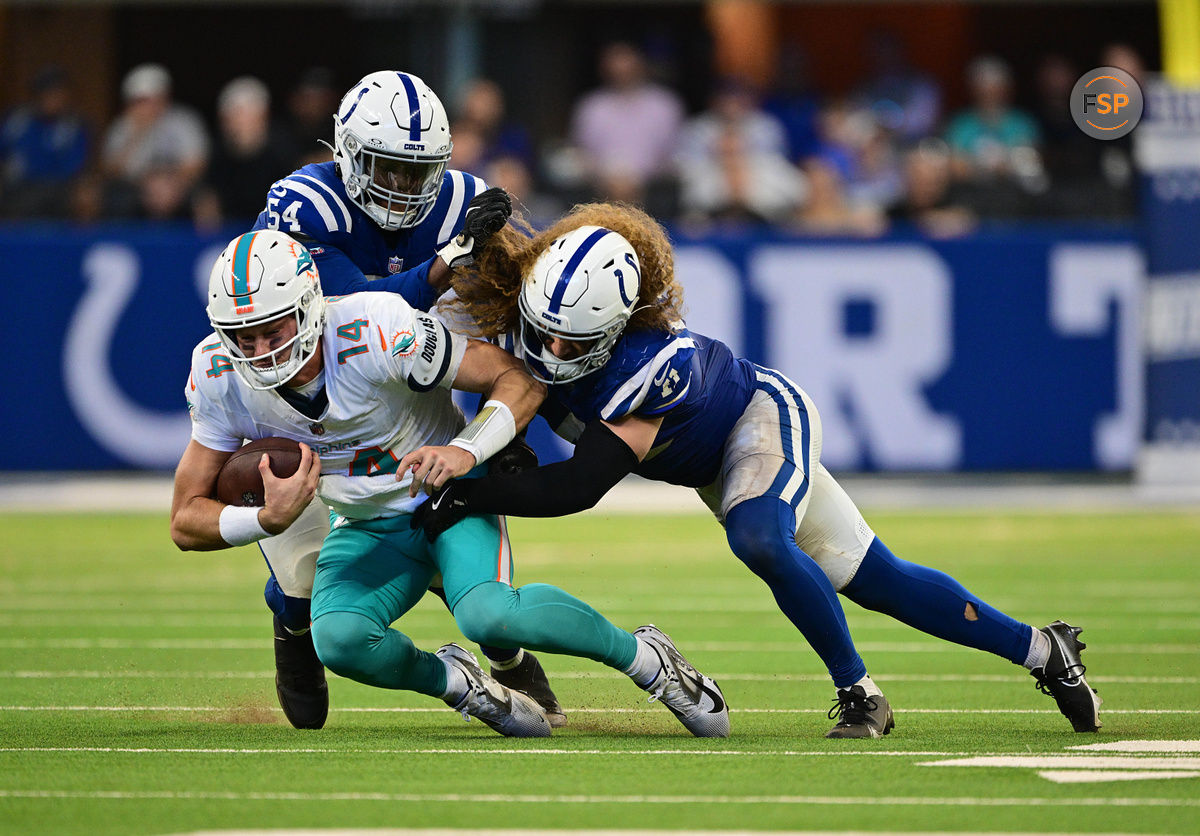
(397, 191)
(260, 278)
(543, 365)
(583, 289)
(287, 359)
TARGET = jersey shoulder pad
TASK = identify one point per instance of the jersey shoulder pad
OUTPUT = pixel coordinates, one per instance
(649, 373)
(413, 345)
(212, 371)
(450, 211)
(209, 392)
(432, 353)
(310, 202)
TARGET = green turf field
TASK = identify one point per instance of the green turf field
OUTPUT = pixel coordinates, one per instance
(136, 692)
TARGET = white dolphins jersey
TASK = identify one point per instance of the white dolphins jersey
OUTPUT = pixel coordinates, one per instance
(387, 373)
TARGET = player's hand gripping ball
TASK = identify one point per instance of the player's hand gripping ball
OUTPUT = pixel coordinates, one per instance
(240, 483)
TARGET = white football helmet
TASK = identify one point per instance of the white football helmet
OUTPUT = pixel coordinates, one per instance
(262, 276)
(583, 289)
(391, 142)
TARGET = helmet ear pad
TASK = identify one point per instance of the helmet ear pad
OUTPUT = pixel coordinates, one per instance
(583, 288)
(389, 123)
(261, 277)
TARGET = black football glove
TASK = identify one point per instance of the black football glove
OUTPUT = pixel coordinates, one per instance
(487, 213)
(515, 457)
(439, 512)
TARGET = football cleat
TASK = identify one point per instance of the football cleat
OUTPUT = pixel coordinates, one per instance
(1062, 678)
(300, 679)
(860, 716)
(530, 679)
(690, 695)
(509, 712)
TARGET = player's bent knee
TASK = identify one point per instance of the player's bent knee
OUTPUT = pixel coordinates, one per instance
(343, 641)
(484, 615)
(752, 529)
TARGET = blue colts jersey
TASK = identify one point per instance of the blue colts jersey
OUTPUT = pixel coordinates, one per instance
(351, 251)
(695, 383)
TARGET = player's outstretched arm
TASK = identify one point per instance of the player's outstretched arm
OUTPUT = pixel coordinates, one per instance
(513, 398)
(201, 523)
(604, 455)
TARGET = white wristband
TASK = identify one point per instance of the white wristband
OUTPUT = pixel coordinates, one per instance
(240, 526)
(489, 432)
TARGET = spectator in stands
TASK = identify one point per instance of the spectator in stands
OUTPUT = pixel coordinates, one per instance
(904, 100)
(829, 210)
(626, 131)
(43, 150)
(515, 177)
(733, 163)
(1124, 57)
(249, 156)
(929, 201)
(310, 114)
(481, 113)
(792, 101)
(992, 139)
(152, 132)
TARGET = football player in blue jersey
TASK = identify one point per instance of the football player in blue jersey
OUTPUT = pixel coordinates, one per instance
(384, 215)
(593, 307)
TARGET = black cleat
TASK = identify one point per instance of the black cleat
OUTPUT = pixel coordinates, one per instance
(300, 679)
(1062, 678)
(858, 715)
(529, 678)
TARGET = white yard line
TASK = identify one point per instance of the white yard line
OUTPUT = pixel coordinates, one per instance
(455, 798)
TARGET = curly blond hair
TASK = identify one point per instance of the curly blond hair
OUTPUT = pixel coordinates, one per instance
(487, 292)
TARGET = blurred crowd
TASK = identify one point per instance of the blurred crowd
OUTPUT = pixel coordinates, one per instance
(887, 154)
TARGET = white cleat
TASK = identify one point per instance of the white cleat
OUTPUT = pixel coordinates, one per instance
(690, 695)
(509, 712)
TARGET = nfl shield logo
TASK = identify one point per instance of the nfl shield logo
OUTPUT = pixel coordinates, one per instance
(395, 264)
(316, 428)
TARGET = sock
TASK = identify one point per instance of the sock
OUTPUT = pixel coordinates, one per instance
(761, 532)
(507, 664)
(869, 687)
(646, 665)
(934, 603)
(292, 632)
(1039, 650)
(456, 684)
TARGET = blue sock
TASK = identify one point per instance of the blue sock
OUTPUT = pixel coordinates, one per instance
(761, 533)
(935, 603)
(294, 613)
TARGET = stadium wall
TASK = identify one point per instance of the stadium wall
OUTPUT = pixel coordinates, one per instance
(1012, 349)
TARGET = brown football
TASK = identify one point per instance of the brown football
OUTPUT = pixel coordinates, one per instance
(239, 482)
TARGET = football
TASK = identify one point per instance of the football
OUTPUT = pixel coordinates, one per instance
(239, 482)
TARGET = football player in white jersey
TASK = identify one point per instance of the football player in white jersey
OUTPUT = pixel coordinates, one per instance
(359, 381)
(385, 215)
(595, 306)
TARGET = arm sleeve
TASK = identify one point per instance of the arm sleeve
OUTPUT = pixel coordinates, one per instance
(340, 276)
(601, 460)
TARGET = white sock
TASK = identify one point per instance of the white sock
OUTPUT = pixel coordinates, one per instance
(456, 684)
(646, 664)
(510, 663)
(1039, 650)
(869, 687)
